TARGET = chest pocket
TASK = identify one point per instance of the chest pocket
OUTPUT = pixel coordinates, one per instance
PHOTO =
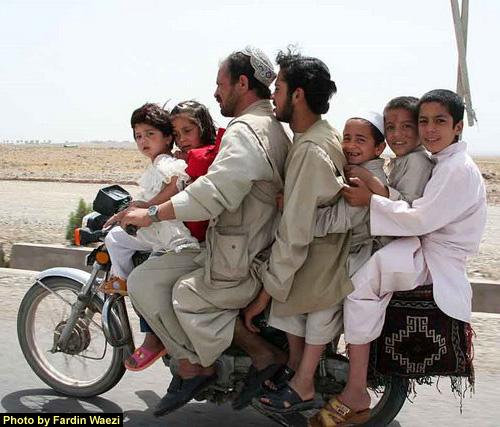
(230, 259)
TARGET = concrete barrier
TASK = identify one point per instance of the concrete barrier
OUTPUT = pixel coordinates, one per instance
(28, 256)
(486, 296)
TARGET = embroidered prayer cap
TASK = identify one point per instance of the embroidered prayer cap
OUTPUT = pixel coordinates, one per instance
(264, 69)
(376, 119)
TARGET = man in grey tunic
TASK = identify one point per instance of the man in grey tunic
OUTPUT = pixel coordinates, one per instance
(196, 314)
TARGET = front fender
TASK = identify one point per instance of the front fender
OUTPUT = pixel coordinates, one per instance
(68, 272)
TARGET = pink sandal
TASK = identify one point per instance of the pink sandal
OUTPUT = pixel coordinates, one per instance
(144, 358)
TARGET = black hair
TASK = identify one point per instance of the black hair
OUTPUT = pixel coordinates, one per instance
(200, 116)
(409, 103)
(309, 74)
(238, 64)
(153, 115)
(448, 99)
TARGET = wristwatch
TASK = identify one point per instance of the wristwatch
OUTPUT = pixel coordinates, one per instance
(153, 213)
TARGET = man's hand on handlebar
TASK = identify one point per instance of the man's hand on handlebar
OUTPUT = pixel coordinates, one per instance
(257, 306)
(131, 216)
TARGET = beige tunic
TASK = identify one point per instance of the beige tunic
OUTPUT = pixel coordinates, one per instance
(341, 217)
(305, 273)
(238, 195)
(409, 174)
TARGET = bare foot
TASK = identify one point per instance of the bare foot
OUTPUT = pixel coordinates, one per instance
(189, 370)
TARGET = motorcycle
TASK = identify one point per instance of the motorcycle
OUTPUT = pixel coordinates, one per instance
(76, 338)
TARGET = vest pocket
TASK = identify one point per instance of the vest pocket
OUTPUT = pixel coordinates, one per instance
(229, 259)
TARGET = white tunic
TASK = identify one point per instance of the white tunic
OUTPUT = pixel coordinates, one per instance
(165, 236)
(449, 218)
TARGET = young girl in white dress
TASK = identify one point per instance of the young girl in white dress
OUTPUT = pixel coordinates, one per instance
(165, 176)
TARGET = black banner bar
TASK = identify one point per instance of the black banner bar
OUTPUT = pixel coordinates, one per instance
(46, 420)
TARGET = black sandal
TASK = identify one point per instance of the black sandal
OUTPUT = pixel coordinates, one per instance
(181, 391)
(252, 386)
(278, 399)
(279, 379)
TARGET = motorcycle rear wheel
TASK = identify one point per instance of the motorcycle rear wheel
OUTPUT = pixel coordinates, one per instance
(89, 366)
(389, 403)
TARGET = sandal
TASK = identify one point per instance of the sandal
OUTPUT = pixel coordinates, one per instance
(114, 285)
(279, 379)
(335, 413)
(143, 358)
(181, 391)
(278, 401)
(252, 386)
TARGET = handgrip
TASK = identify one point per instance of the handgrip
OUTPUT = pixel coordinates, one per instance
(131, 230)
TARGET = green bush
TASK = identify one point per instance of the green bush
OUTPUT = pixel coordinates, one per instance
(75, 219)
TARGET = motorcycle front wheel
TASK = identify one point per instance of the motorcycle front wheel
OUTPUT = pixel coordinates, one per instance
(87, 366)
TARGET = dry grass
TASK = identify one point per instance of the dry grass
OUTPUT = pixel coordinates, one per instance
(122, 163)
(93, 163)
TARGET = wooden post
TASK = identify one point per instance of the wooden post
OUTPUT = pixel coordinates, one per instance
(461, 36)
(465, 26)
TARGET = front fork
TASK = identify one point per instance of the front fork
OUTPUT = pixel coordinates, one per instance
(115, 321)
(78, 309)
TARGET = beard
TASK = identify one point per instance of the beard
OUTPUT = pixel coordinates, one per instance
(286, 113)
(228, 107)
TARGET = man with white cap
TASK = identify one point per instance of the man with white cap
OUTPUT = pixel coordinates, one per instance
(196, 314)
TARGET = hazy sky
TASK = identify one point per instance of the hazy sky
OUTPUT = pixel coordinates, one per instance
(76, 70)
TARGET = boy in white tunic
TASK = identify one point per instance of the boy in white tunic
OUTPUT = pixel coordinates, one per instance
(362, 144)
(449, 218)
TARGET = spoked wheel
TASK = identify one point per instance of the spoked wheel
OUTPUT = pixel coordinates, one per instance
(87, 365)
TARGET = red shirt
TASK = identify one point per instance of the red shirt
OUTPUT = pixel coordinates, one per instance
(198, 161)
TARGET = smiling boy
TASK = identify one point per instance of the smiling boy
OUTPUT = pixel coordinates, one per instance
(362, 144)
(449, 219)
(410, 170)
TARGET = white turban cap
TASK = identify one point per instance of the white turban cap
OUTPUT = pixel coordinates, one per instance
(264, 70)
(376, 119)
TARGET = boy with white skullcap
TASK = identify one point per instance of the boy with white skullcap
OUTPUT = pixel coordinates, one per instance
(409, 171)
(363, 143)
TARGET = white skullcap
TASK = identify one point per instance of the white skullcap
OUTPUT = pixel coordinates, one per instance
(376, 119)
(264, 70)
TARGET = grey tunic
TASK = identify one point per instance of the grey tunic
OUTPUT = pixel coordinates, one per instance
(408, 175)
(342, 217)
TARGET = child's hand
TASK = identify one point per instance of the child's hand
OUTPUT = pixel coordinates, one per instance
(280, 201)
(358, 193)
(257, 306)
(352, 171)
(181, 155)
